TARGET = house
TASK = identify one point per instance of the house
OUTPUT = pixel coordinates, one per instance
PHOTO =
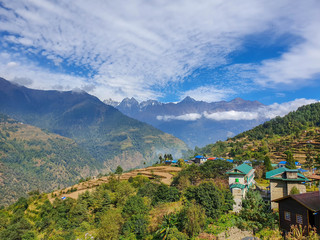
(200, 159)
(299, 209)
(283, 164)
(241, 178)
(282, 180)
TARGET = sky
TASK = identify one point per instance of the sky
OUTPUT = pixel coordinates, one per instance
(211, 50)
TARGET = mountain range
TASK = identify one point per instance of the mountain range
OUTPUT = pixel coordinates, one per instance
(101, 135)
(195, 122)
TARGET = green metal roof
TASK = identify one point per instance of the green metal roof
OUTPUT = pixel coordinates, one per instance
(237, 185)
(243, 169)
(270, 174)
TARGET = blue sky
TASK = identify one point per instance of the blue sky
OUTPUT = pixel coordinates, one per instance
(210, 50)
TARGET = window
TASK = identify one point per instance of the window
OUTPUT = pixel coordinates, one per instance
(287, 216)
(299, 219)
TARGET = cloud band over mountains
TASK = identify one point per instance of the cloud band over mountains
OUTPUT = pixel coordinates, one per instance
(265, 112)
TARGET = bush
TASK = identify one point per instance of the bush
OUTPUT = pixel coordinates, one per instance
(165, 193)
(209, 197)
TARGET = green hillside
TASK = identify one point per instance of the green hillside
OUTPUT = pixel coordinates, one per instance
(297, 132)
(34, 159)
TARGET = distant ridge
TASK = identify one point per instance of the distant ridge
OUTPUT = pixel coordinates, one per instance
(197, 131)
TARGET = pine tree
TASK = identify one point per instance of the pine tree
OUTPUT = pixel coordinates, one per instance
(267, 163)
(290, 161)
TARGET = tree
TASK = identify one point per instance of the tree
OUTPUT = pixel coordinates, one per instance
(290, 161)
(165, 193)
(255, 213)
(267, 164)
(161, 159)
(208, 196)
(294, 190)
(110, 225)
(309, 161)
(192, 218)
(134, 206)
(119, 171)
(181, 162)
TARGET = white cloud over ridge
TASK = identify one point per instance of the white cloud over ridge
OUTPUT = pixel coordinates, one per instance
(265, 112)
(133, 47)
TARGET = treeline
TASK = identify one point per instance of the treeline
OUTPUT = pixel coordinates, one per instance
(297, 132)
(294, 122)
(137, 209)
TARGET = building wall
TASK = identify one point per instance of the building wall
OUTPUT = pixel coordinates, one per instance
(238, 195)
(278, 189)
(301, 187)
(294, 208)
(232, 179)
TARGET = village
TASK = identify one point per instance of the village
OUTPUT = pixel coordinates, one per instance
(293, 193)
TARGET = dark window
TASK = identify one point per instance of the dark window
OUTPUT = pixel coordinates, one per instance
(287, 216)
(299, 219)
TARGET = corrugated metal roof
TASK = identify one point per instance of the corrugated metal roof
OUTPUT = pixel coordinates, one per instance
(270, 174)
(310, 200)
(243, 169)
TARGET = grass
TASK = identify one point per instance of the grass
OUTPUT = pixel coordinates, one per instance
(222, 224)
(263, 183)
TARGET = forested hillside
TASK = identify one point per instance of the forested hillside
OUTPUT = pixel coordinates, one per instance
(198, 202)
(34, 159)
(297, 133)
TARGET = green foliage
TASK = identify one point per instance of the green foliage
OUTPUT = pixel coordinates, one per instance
(294, 122)
(148, 190)
(222, 224)
(294, 190)
(119, 170)
(290, 161)
(169, 222)
(210, 197)
(255, 213)
(136, 224)
(139, 181)
(134, 206)
(214, 169)
(110, 225)
(192, 218)
(165, 193)
(267, 164)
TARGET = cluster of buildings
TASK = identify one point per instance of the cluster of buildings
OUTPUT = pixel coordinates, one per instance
(294, 209)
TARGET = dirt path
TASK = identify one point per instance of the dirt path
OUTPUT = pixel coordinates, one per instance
(164, 173)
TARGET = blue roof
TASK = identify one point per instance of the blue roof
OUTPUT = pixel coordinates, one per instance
(285, 162)
(302, 170)
(199, 156)
(230, 160)
(174, 161)
(63, 198)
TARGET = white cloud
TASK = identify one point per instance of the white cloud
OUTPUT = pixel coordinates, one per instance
(265, 112)
(133, 47)
(282, 109)
(208, 94)
(231, 115)
(185, 117)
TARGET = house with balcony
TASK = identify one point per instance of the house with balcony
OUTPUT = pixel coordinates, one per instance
(241, 178)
